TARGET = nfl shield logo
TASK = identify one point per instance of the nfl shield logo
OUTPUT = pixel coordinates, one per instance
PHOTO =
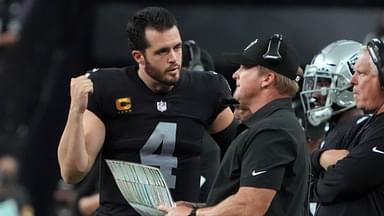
(161, 106)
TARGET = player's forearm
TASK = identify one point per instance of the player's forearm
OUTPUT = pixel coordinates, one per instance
(72, 153)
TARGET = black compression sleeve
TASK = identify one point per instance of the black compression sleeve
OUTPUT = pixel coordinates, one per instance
(225, 137)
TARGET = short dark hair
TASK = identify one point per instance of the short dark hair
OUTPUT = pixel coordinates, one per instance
(157, 18)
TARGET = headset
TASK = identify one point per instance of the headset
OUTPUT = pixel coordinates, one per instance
(376, 51)
(195, 63)
(273, 55)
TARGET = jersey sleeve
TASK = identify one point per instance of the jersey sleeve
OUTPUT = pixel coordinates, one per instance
(95, 99)
(266, 158)
(225, 92)
(222, 91)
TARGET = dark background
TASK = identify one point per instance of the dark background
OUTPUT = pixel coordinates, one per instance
(64, 38)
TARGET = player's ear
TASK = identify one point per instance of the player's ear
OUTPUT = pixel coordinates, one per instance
(138, 56)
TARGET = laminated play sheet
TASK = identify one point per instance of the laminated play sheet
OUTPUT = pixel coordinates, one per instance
(143, 187)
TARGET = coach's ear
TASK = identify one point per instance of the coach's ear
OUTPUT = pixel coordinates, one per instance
(138, 56)
(268, 79)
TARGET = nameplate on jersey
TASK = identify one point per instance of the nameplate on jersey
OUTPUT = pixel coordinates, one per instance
(161, 106)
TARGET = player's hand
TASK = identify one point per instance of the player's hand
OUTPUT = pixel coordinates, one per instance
(330, 157)
(81, 86)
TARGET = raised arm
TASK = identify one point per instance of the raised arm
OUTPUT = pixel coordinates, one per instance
(83, 135)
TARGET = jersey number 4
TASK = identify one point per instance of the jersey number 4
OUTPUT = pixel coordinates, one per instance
(164, 137)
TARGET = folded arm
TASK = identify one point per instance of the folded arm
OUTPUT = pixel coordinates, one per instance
(353, 176)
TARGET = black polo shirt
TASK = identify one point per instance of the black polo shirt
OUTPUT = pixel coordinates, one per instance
(271, 153)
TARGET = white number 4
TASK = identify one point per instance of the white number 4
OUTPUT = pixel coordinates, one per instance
(165, 134)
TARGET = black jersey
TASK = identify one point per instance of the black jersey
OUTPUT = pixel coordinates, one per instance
(158, 129)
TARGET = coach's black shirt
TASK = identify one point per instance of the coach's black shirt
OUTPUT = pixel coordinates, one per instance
(271, 153)
(354, 186)
(163, 130)
(336, 137)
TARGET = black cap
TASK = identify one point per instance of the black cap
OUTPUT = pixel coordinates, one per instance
(273, 53)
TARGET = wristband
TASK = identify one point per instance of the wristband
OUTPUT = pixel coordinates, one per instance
(193, 212)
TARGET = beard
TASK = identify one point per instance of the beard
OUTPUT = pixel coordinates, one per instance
(161, 76)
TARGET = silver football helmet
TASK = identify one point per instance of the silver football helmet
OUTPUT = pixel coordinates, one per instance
(326, 87)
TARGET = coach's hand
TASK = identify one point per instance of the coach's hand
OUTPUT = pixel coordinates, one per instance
(330, 157)
(175, 211)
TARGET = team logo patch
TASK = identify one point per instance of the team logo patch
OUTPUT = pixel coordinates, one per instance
(161, 106)
(123, 105)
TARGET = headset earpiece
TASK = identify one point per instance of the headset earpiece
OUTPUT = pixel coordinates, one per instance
(195, 64)
(376, 51)
(272, 55)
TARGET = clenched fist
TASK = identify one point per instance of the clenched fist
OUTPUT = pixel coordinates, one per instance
(81, 87)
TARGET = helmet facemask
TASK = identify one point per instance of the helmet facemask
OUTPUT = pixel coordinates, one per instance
(317, 94)
(326, 89)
